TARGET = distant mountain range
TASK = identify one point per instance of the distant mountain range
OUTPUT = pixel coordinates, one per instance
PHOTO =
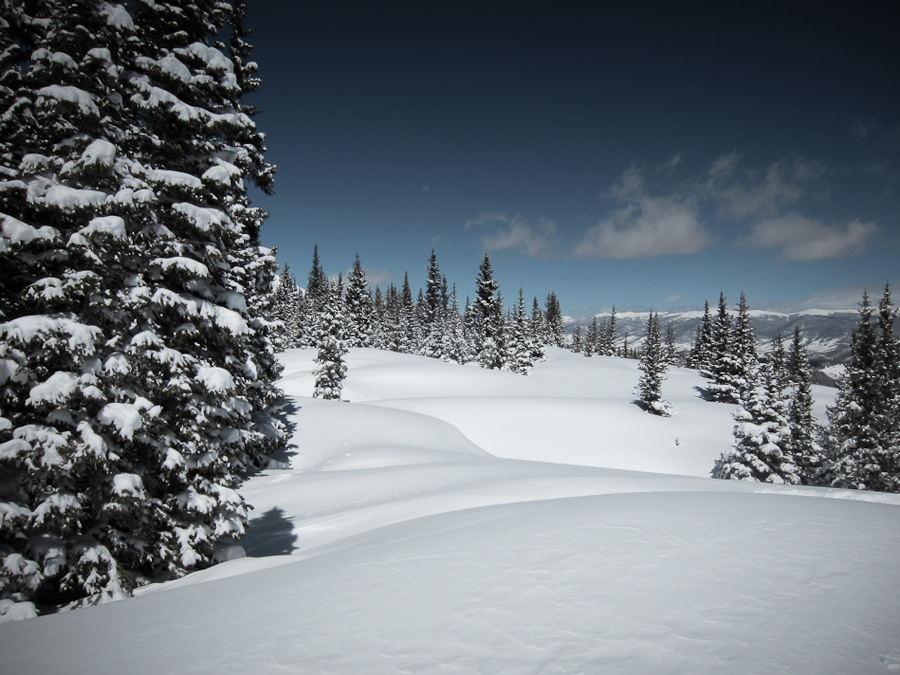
(826, 332)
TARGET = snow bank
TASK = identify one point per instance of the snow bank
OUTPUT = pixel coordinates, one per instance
(659, 583)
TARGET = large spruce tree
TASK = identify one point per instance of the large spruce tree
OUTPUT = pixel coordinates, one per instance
(862, 440)
(136, 359)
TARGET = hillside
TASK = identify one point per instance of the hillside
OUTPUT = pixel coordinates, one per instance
(450, 519)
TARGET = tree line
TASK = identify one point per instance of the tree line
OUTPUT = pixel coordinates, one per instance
(334, 315)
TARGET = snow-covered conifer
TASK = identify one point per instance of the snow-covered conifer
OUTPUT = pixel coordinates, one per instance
(358, 303)
(330, 343)
(455, 345)
(314, 295)
(286, 310)
(487, 313)
(861, 441)
(435, 292)
(553, 321)
(671, 346)
(761, 435)
(136, 351)
(803, 445)
(653, 367)
(703, 349)
(608, 336)
(592, 341)
(734, 363)
(577, 345)
(520, 355)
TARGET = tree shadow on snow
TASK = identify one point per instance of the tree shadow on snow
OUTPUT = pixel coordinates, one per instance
(285, 412)
(287, 415)
(270, 534)
(704, 394)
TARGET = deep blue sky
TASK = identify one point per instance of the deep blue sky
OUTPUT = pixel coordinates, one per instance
(646, 155)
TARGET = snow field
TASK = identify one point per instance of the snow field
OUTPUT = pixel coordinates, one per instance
(411, 535)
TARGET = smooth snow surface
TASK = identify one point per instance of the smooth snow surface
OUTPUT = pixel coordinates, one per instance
(410, 535)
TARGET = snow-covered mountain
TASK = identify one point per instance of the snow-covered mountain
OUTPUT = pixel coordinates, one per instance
(827, 332)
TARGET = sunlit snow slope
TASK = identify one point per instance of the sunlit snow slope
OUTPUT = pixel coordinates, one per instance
(410, 535)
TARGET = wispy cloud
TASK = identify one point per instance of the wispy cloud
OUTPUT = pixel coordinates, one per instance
(846, 297)
(740, 194)
(517, 234)
(377, 277)
(646, 228)
(646, 225)
(648, 222)
(800, 238)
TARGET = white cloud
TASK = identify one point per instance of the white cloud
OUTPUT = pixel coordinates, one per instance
(377, 277)
(847, 297)
(723, 166)
(801, 238)
(750, 195)
(517, 234)
(629, 186)
(645, 224)
(646, 228)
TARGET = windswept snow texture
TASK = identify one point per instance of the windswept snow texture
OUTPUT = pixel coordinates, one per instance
(410, 535)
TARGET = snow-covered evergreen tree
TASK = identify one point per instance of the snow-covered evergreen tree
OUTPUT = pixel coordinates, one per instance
(553, 321)
(671, 346)
(861, 442)
(735, 361)
(487, 314)
(331, 347)
(314, 296)
(653, 367)
(436, 286)
(761, 435)
(358, 304)
(136, 356)
(455, 345)
(433, 307)
(608, 336)
(803, 446)
(286, 310)
(538, 331)
(703, 349)
(592, 341)
(577, 345)
(410, 329)
(520, 356)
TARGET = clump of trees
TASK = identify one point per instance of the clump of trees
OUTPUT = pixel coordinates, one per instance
(776, 438)
(333, 316)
